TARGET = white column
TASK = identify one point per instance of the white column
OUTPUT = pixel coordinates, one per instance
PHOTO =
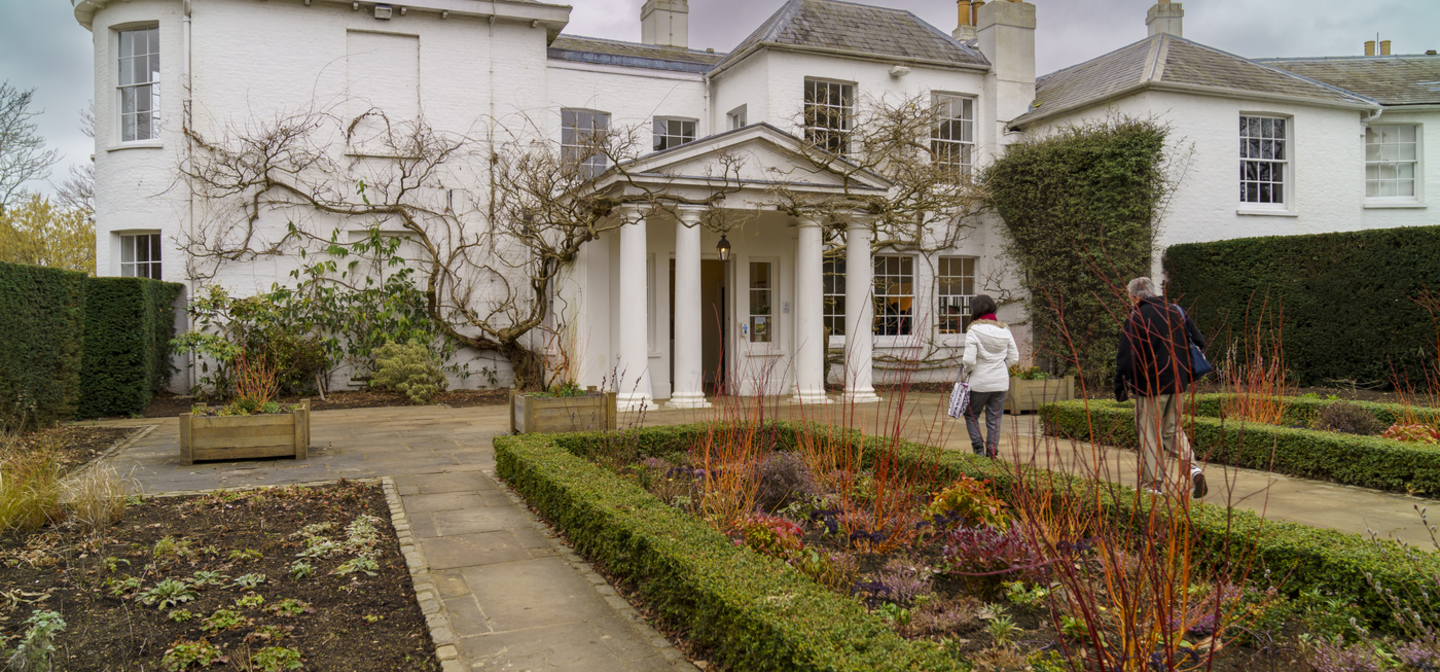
(689, 388)
(809, 362)
(632, 372)
(859, 314)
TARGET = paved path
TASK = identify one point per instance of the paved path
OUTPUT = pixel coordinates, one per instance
(520, 600)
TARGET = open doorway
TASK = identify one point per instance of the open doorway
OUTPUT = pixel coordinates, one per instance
(713, 315)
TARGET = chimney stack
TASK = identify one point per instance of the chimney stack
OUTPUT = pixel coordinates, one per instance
(1006, 35)
(1166, 17)
(665, 23)
(965, 26)
(1384, 47)
(1369, 47)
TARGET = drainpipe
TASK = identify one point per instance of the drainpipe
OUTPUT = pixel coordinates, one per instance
(186, 121)
(1373, 116)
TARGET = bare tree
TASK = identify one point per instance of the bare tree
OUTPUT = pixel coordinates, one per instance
(23, 156)
(487, 254)
(77, 192)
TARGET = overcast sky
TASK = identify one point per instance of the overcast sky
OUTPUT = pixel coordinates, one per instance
(42, 47)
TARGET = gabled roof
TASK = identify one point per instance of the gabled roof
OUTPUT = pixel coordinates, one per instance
(767, 156)
(1391, 80)
(861, 30)
(1165, 61)
(630, 54)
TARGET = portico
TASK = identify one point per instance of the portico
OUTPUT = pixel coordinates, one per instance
(765, 333)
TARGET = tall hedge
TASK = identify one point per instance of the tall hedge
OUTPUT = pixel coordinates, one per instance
(1344, 298)
(128, 326)
(42, 316)
(1079, 207)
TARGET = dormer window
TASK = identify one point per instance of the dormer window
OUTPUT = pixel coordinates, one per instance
(829, 114)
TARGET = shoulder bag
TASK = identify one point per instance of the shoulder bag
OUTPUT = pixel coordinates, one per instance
(1198, 364)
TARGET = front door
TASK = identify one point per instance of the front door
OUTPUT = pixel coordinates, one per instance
(714, 317)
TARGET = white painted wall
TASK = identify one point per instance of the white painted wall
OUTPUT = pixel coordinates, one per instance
(1327, 167)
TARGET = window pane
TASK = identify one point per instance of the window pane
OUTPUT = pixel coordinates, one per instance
(127, 249)
(155, 247)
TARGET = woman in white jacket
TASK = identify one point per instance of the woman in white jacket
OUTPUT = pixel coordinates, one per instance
(989, 353)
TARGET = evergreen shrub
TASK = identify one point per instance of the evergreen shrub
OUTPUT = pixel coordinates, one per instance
(409, 369)
(42, 317)
(128, 326)
(1344, 299)
(1079, 207)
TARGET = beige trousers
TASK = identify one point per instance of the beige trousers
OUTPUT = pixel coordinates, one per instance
(1157, 421)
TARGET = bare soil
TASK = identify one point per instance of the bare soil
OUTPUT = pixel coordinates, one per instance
(73, 445)
(100, 583)
(170, 405)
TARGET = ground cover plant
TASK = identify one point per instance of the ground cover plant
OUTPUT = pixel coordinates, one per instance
(274, 579)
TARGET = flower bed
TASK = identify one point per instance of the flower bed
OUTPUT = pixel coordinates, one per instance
(272, 579)
(760, 613)
(1366, 461)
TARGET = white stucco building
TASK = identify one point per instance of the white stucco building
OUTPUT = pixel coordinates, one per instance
(656, 312)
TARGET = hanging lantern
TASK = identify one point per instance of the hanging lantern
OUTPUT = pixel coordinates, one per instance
(723, 248)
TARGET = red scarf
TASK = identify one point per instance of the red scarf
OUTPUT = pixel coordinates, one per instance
(989, 316)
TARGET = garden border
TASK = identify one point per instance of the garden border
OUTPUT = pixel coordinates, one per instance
(1363, 461)
(646, 541)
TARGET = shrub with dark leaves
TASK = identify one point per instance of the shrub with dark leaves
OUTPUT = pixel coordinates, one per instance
(984, 557)
(1348, 418)
(784, 478)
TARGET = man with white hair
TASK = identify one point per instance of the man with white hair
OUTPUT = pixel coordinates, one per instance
(1153, 365)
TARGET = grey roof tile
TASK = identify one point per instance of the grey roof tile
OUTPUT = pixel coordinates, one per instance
(1166, 59)
(631, 54)
(863, 29)
(1392, 80)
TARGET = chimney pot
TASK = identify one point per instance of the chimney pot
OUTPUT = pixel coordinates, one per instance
(1384, 47)
(1430, 52)
(1369, 47)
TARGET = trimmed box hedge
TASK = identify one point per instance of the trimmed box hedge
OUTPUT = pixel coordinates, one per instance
(128, 326)
(759, 614)
(1365, 461)
(1320, 281)
(42, 317)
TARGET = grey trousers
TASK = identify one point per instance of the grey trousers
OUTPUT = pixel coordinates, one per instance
(992, 404)
(1157, 421)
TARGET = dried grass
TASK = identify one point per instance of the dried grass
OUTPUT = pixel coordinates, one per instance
(95, 497)
(29, 486)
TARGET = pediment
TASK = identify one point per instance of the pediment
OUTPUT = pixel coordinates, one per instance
(760, 155)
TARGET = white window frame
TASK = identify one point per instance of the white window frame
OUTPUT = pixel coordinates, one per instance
(737, 118)
(770, 292)
(948, 302)
(1377, 161)
(134, 264)
(572, 134)
(953, 140)
(829, 114)
(671, 132)
(832, 290)
(1265, 149)
(130, 66)
(890, 279)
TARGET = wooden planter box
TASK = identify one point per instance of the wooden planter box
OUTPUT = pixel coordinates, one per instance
(1027, 395)
(245, 436)
(545, 415)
